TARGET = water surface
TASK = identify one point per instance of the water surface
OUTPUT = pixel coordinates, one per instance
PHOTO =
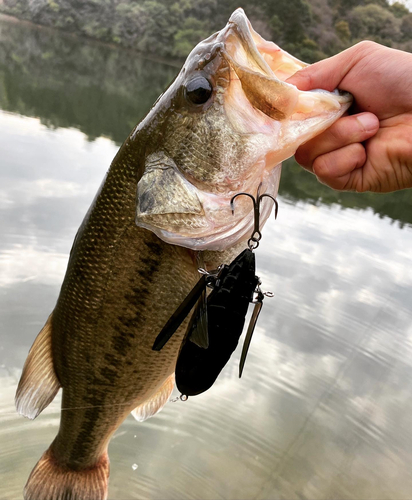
(323, 408)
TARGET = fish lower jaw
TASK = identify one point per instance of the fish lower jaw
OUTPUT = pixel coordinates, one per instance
(214, 239)
(218, 228)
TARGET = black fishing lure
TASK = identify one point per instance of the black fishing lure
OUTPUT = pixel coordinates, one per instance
(218, 320)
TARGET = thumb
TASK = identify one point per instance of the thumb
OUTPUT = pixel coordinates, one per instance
(329, 73)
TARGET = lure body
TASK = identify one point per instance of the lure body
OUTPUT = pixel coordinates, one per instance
(197, 368)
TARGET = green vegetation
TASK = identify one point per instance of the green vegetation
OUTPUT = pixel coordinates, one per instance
(66, 82)
(299, 185)
(103, 90)
(309, 29)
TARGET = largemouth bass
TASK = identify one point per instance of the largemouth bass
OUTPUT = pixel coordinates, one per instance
(223, 126)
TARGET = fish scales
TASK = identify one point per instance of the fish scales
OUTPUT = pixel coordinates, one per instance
(222, 127)
(104, 319)
(204, 164)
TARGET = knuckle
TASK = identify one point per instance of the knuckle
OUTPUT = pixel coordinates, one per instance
(366, 46)
(358, 154)
(338, 132)
(347, 130)
(306, 74)
(360, 149)
(310, 80)
(302, 157)
(321, 167)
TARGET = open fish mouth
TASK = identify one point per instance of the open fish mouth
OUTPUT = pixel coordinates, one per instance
(255, 52)
(263, 68)
(227, 122)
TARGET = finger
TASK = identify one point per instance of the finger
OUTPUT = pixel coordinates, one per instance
(347, 130)
(341, 169)
(329, 73)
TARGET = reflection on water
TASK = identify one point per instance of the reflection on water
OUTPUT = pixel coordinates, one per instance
(323, 408)
(69, 83)
(105, 91)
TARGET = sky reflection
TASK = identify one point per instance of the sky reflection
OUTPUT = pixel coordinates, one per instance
(47, 183)
(322, 410)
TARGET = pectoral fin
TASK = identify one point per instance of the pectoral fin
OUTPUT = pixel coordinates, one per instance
(163, 189)
(38, 384)
(156, 402)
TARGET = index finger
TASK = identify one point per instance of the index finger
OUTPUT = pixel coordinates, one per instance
(347, 130)
(329, 73)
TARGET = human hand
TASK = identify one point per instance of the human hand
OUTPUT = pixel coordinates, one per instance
(372, 149)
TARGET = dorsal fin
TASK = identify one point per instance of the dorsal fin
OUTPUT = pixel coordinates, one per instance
(156, 402)
(38, 383)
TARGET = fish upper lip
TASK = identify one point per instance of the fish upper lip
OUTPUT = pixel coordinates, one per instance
(243, 27)
(258, 54)
(239, 26)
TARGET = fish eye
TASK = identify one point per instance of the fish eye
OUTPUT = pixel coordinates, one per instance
(198, 90)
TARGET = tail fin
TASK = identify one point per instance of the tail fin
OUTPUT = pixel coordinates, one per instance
(51, 481)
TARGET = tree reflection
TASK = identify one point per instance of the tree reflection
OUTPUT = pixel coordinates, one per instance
(105, 91)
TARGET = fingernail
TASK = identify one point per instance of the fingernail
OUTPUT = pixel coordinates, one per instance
(292, 79)
(368, 121)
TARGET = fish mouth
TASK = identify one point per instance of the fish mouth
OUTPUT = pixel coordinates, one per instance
(263, 68)
(242, 42)
(251, 122)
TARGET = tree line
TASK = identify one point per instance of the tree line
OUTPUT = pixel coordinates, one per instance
(309, 29)
(104, 91)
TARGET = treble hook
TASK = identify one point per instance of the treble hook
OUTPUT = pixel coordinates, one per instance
(253, 241)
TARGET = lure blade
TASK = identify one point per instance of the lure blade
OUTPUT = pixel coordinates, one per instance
(198, 326)
(249, 334)
(179, 315)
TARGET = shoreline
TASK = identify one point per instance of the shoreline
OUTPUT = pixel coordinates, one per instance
(150, 57)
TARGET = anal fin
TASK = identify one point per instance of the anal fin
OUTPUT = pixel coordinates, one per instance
(156, 402)
(38, 383)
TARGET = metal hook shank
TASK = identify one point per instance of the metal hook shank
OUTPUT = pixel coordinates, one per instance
(256, 235)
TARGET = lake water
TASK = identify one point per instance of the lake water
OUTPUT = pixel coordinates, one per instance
(324, 407)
